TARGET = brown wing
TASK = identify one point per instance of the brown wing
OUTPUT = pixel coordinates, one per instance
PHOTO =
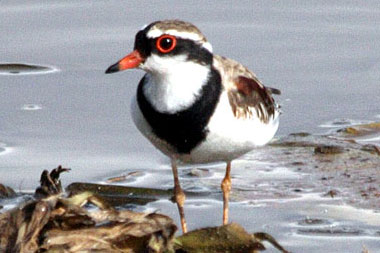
(246, 94)
(249, 96)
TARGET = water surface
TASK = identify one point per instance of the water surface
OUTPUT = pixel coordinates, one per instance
(323, 55)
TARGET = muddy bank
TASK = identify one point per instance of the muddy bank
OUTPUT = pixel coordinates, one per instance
(340, 164)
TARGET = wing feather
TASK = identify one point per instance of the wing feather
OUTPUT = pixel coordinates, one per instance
(246, 94)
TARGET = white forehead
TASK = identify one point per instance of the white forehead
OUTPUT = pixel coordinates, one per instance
(155, 33)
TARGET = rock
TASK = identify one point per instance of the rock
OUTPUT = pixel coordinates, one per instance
(328, 150)
(227, 238)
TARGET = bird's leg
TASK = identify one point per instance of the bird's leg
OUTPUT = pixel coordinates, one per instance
(226, 188)
(179, 196)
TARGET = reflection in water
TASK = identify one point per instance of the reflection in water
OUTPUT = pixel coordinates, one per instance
(3, 149)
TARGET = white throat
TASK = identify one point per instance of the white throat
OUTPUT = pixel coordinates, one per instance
(173, 83)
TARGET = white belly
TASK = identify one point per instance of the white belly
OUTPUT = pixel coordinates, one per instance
(230, 138)
(227, 139)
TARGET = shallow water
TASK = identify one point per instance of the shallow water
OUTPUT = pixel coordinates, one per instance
(323, 55)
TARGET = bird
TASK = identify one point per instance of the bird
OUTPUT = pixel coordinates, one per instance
(195, 106)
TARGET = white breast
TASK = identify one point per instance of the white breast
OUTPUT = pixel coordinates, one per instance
(173, 82)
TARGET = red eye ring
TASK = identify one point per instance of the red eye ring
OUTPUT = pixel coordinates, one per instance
(171, 43)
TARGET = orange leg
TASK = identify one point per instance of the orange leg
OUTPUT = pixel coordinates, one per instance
(226, 188)
(179, 197)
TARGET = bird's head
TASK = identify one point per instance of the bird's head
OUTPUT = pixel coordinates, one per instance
(165, 45)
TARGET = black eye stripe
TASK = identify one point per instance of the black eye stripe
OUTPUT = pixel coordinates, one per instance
(194, 51)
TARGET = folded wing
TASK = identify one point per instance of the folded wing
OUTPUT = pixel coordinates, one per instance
(247, 95)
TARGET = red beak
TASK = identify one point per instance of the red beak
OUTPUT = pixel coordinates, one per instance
(130, 61)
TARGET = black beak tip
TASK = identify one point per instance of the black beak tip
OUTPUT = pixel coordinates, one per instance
(113, 68)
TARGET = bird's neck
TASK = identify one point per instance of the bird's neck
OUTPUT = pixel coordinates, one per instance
(176, 87)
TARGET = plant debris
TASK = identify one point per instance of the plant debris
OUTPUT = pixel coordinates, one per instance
(50, 183)
(6, 192)
(55, 223)
(119, 195)
(85, 222)
(123, 177)
(360, 130)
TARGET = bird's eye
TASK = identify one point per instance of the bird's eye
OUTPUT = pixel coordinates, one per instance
(166, 43)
